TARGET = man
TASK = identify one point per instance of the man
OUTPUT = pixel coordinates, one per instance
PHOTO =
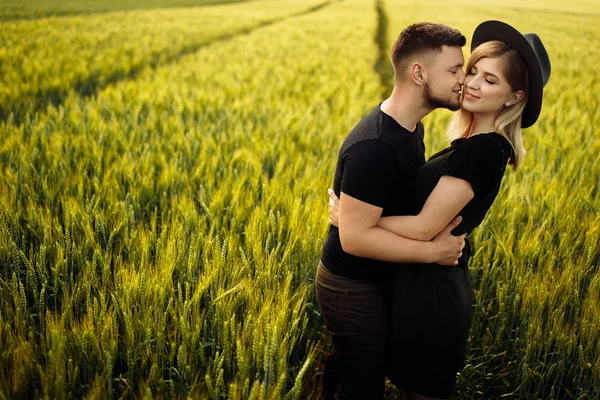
(374, 177)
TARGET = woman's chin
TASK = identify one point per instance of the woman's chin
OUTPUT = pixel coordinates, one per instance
(465, 106)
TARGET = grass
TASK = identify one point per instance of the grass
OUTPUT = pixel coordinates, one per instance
(33, 9)
(159, 235)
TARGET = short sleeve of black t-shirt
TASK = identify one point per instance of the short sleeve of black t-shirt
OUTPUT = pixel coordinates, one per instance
(369, 167)
(479, 161)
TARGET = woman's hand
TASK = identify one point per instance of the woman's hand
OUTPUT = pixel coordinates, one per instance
(334, 208)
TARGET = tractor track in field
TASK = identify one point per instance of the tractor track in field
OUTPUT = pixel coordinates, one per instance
(382, 66)
(92, 85)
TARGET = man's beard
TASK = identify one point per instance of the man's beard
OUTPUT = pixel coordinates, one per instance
(431, 102)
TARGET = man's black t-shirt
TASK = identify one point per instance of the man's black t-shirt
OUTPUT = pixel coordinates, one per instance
(377, 164)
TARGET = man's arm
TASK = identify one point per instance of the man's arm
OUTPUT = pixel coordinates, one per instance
(360, 236)
(447, 199)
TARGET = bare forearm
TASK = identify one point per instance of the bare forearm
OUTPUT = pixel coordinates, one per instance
(379, 244)
(408, 226)
(360, 236)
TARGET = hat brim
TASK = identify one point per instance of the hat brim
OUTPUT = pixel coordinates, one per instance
(497, 30)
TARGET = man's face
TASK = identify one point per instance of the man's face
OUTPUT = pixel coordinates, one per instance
(445, 78)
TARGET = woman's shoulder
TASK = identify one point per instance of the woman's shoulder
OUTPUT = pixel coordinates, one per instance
(488, 142)
(479, 159)
(484, 139)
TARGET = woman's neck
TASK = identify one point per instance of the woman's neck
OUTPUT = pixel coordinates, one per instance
(482, 124)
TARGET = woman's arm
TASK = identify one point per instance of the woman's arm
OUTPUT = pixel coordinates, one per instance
(449, 196)
(360, 236)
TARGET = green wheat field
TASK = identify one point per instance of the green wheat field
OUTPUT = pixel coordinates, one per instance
(163, 176)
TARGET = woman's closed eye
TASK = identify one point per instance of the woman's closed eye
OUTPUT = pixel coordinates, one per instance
(473, 71)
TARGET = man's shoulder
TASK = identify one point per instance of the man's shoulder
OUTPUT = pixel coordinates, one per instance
(420, 131)
(368, 128)
(378, 131)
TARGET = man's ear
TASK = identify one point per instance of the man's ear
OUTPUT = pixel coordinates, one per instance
(417, 74)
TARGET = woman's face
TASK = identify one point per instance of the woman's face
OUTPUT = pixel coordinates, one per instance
(486, 90)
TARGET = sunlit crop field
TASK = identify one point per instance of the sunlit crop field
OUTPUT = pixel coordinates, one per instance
(163, 177)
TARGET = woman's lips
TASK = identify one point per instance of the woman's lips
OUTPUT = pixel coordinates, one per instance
(469, 95)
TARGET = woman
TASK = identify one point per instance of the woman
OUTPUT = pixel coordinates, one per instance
(430, 304)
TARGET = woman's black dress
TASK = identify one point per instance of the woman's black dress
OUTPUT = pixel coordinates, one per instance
(430, 304)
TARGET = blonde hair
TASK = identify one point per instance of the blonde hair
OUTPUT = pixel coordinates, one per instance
(508, 119)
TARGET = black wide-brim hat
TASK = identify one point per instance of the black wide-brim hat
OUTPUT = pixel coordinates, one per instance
(533, 52)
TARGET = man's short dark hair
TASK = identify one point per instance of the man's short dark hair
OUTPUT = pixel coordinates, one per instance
(422, 38)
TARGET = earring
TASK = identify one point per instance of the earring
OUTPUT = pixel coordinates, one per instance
(507, 104)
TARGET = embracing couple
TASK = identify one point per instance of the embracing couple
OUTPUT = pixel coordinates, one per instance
(393, 284)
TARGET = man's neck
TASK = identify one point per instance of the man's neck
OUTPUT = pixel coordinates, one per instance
(405, 105)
